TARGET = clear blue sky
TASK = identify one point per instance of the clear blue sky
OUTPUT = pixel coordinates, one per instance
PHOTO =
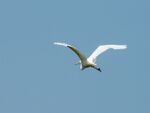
(39, 77)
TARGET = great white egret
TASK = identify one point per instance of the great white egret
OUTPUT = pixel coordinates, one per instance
(90, 61)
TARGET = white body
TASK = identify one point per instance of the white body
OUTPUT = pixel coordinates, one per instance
(90, 61)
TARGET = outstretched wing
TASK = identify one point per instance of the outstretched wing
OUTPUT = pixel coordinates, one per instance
(79, 54)
(102, 49)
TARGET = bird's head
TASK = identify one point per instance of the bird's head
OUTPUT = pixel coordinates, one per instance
(77, 63)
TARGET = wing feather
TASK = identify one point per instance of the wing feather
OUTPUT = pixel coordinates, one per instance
(78, 53)
(100, 49)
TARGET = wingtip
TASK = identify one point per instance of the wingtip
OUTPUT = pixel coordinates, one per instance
(125, 46)
(55, 43)
(60, 43)
(122, 47)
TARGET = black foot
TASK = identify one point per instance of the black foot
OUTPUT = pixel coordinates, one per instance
(99, 69)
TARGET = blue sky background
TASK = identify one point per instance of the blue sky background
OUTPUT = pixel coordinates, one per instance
(39, 77)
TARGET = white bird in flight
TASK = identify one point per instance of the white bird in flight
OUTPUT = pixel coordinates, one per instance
(90, 61)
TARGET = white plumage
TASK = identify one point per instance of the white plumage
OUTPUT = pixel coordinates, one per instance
(90, 61)
(100, 49)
